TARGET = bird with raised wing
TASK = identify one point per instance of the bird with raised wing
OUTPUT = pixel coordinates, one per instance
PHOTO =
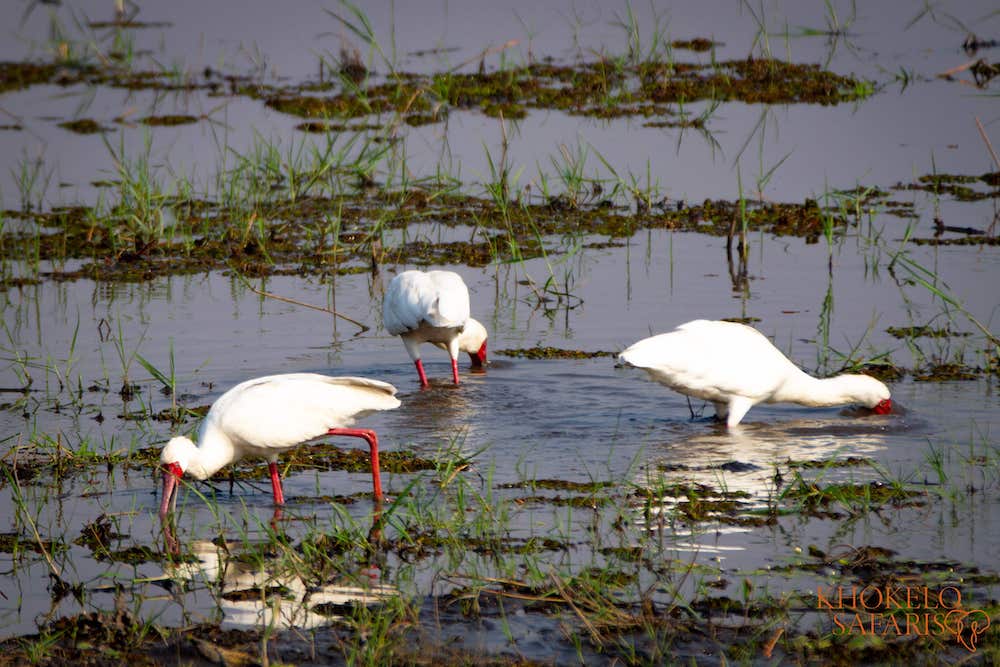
(268, 415)
(735, 367)
(433, 307)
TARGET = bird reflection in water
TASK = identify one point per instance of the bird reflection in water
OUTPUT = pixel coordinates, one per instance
(251, 594)
(443, 411)
(749, 463)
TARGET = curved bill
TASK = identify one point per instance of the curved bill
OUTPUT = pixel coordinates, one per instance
(171, 476)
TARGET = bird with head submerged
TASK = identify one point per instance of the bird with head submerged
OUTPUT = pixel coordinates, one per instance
(433, 307)
(269, 415)
(735, 367)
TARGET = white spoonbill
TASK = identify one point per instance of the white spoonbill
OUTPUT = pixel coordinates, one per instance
(433, 307)
(268, 415)
(735, 367)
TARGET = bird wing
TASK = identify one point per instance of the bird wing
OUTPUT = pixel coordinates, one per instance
(439, 298)
(407, 301)
(451, 309)
(273, 413)
(713, 360)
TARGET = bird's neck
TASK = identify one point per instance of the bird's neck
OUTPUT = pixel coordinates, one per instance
(215, 450)
(802, 388)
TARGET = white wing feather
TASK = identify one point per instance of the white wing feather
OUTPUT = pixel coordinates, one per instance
(279, 411)
(439, 298)
(713, 360)
(452, 306)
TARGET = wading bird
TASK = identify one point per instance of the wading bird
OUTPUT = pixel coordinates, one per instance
(433, 307)
(735, 367)
(269, 415)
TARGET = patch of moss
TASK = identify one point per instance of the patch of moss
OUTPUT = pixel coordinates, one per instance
(564, 501)
(425, 253)
(946, 373)
(630, 554)
(208, 237)
(757, 607)
(118, 630)
(168, 120)
(924, 332)
(886, 371)
(133, 555)
(692, 122)
(319, 127)
(958, 186)
(20, 281)
(814, 496)
(420, 544)
(131, 24)
(255, 593)
(703, 509)
(698, 44)
(902, 212)
(18, 76)
(418, 119)
(325, 499)
(545, 352)
(331, 457)
(557, 485)
(83, 126)
(965, 240)
(946, 179)
(850, 461)
(11, 543)
(601, 89)
(680, 489)
(98, 534)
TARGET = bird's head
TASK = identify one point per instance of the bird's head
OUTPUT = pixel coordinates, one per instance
(174, 460)
(472, 340)
(873, 394)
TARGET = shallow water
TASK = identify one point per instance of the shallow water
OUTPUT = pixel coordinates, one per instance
(570, 420)
(576, 421)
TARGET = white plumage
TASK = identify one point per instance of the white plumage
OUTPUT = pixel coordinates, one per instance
(268, 415)
(735, 367)
(433, 307)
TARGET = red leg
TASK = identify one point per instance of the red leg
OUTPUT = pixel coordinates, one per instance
(454, 370)
(279, 496)
(420, 372)
(372, 440)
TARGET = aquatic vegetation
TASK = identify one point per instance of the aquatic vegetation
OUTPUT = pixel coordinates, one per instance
(203, 235)
(924, 332)
(958, 186)
(83, 126)
(545, 352)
